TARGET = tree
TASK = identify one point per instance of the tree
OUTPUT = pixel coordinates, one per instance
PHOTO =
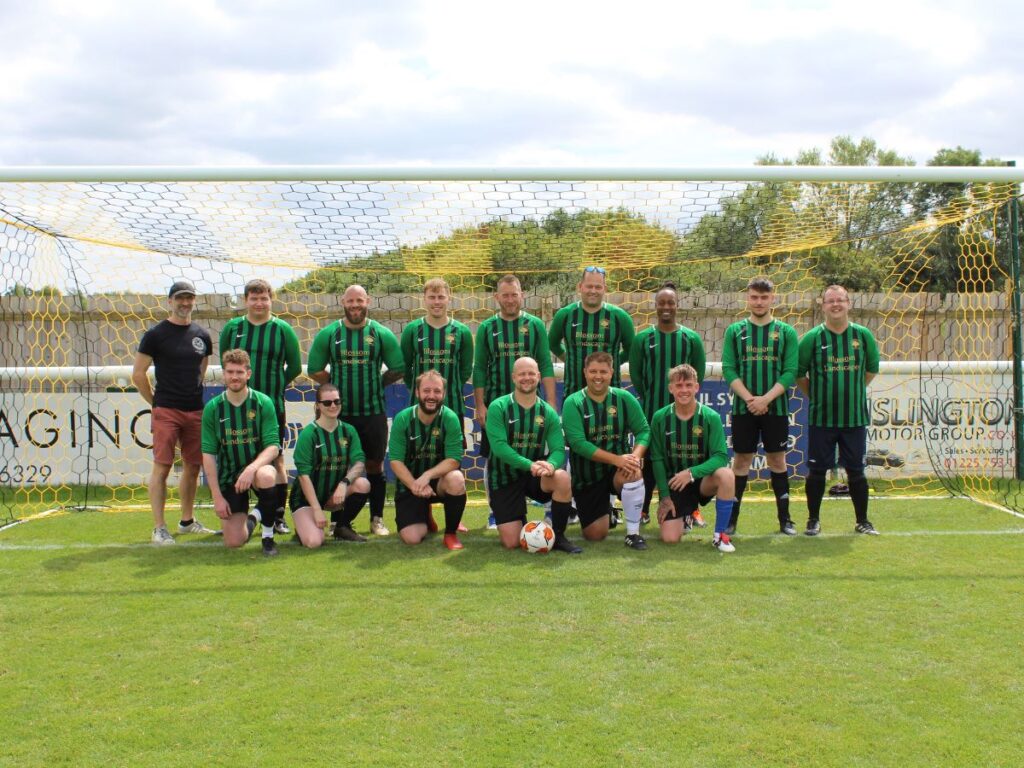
(962, 255)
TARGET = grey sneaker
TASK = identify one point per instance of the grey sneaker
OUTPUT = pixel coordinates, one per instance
(282, 527)
(813, 527)
(346, 533)
(787, 528)
(162, 536)
(866, 527)
(377, 527)
(194, 527)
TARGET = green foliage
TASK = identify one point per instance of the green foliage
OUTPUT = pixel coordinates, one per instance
(544, 254)
(942, 263)
(836, 651)
(23, 291)
(853, 232)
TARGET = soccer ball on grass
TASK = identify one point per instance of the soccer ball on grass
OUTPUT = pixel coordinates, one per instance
(537, 536)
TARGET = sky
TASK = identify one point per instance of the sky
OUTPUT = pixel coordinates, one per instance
(458, 83)
(245, 82)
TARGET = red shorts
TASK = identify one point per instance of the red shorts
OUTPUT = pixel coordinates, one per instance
(172, 427)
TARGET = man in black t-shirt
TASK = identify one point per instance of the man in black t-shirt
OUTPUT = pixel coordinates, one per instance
(179, 350)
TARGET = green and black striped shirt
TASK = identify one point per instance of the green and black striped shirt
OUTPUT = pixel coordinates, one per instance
(355, 356)
(654, 354)
(590, 425)
(697, 444)
(326, 457)
(520, 436)
(760, 356)
(448, 350)
(836, 365)
(423, 446)
(609, 329)
(236, 434)
(273, 351)
(499, 343)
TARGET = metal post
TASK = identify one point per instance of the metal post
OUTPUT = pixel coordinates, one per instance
(1018, 385)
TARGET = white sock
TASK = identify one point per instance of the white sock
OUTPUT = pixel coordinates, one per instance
(268, 531)
(632, 505)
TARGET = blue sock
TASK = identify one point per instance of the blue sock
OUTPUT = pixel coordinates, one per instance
(723, 511)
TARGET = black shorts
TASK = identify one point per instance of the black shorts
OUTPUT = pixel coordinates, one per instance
(238, 502)
(822, 442)
(509, 502)
(592, 500)
(772, 430)
(485, 446)
(297, 499)
(688, 500)
(373, 434)
(411, 509)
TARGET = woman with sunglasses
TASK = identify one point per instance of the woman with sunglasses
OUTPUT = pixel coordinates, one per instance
(329, 463)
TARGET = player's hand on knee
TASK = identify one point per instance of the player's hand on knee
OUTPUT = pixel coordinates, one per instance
(221, 508)
(665, 508)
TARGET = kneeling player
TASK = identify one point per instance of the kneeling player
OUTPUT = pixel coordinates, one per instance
(690, 461)
(329, 464)
(426, 456)
(240, 442)
(527, 454)
(598, 422)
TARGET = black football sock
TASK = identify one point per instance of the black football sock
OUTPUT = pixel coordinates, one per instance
(815, 490)
(780, 487)
(378, 491)
(454, 506)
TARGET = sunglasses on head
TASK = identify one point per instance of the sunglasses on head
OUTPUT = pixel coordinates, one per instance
(599, 270)
(333, 403)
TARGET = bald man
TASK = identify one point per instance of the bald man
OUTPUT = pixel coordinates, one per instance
(349, 353)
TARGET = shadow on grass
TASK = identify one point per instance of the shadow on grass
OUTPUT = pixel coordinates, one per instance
(483, 565)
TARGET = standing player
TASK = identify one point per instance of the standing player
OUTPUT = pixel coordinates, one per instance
(353, 349)
(240, 443)
(426, 448)
(657, 350)
(179, 350)
(438, 342)
(276, 361)
(598, 422)
(759, 361)
(501, 340)
(838, 359)
(329, 465)
(590, 325)
(691, 461)
(527, 454)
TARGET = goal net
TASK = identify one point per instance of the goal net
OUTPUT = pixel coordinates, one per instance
(86, 260)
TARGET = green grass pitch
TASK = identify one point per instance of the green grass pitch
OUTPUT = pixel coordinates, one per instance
(901, 650)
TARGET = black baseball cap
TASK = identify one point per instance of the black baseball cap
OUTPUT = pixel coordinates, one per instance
(182, 286)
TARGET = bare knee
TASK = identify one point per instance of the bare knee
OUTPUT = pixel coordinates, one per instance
(360, 485)
(411, 535)
(455, 483)
(741, 464)
(776, 462)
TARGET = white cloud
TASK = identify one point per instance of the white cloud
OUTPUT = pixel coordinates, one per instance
(534, 83)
